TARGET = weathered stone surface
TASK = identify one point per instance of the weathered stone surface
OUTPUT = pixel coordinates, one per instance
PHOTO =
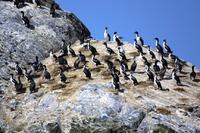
(166, 124)
(18, 43)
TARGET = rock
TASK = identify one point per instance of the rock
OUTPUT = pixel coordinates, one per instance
(165, 123)
(18, 43)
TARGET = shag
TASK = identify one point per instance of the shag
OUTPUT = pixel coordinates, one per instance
(25, 20)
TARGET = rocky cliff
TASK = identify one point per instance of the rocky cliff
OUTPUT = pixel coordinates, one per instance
(18, 43)
(82, 105)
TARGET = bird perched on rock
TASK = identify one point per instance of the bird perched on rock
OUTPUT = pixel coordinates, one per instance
(193, 74)
(166, 47)
(159, 47)
(46, 74)
(53, 10)
(95, 60)
(176, 78)
(108, 49)
(63, 78)
(157, 83)
(87, 72)
(25, 20)
(139, 39)
(106, 35)
(133, 79)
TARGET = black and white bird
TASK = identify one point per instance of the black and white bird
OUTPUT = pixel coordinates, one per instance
(81, 57)
(115, 77)
(157, 83)
(159, 47)
(139, 39)
(95, 60)
(116, 85)
(149, 73)
(35, 65)
(123, 65)
(133, 66)
(46, 74)
(121, 54)
(178, 65)
(61, 60)
(151, 53)
(193, 74)
(176, 78)
(71, 51)
(63, 78)
(53, 10)
(156, 67)
(38, 3)
(125, 75)
(18, 85)
(133, 79)
(106, 35)
(145, 61)
(116, 39)
(108, 49)
(138, 47)
(12, 80)
(28, 74)
(32, 86)
(18, 69)
(164, 62)
(110, 64)
(87, 72)
(166, 47)
(92, 49)
(25, 20)
(64, 48)
(17, 3)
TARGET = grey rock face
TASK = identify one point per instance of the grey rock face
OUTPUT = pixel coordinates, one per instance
(168, 124)
(19, 43)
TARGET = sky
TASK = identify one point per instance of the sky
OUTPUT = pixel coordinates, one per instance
(178, 21)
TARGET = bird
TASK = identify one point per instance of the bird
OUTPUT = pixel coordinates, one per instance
(121, 54)
(76, 63)
(87, 72)
(159, 47)
(81, 57)
(116, 85)
(28, 74)
(92, 49)
(51, 55)
(164, 62)
(157, 83)
(71, 51)
(109, 64)
(133, 66)
(178, 65)
(176, 78)
(156, 68)
(108, 49)
(12, 80)
(149, 73)
(32, 86)
(18, 69)
(125, 75)
(63, 78)
(64, 48)
(117, 38)
(38, 3)
(61, 60)
(193, 74)
(95, 60)
(53, 10)
(151, 53)
(123, 65)
(139, 39)
(35, 65)
(25, 20)
(107, 37)
(166, 47)
(46, 74)
(133, 79)
(145, 61)
(138, 47)
(115, 77)
(17, 3)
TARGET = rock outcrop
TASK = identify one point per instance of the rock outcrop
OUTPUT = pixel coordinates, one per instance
(18, 43)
